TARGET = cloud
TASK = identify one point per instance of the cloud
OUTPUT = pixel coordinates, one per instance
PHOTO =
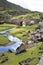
(35, 5)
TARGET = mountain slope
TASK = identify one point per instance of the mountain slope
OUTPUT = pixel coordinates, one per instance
(8, 10)
(5, 5)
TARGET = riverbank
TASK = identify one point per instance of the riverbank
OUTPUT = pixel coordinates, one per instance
(16, 42)
(22, 32)
(18, 32)
(3, 40)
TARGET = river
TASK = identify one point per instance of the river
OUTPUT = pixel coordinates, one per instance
(16, 42)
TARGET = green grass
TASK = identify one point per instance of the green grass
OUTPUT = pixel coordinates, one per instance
(19, 31)
(3, 40)
(6, 26)
(15, 59)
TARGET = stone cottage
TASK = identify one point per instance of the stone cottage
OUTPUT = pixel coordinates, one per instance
(22, 21)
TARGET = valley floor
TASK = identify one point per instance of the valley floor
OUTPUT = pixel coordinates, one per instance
(34, 52)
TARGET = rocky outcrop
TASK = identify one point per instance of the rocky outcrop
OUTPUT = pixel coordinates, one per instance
(36, 36)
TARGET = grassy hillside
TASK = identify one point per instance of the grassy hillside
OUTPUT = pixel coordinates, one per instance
(12, 8)
(7, 10)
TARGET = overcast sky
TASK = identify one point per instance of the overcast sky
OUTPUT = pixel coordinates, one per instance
(35, 5)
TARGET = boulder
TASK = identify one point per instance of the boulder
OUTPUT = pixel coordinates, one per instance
(41, 31)
(21, 48)
(32, 22)
(30, 42)
(40, 25)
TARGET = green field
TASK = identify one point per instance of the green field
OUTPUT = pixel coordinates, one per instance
(22, 30)
(15, 59)
(6, 26)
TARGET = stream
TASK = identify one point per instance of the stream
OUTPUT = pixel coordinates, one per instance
(16, 42)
